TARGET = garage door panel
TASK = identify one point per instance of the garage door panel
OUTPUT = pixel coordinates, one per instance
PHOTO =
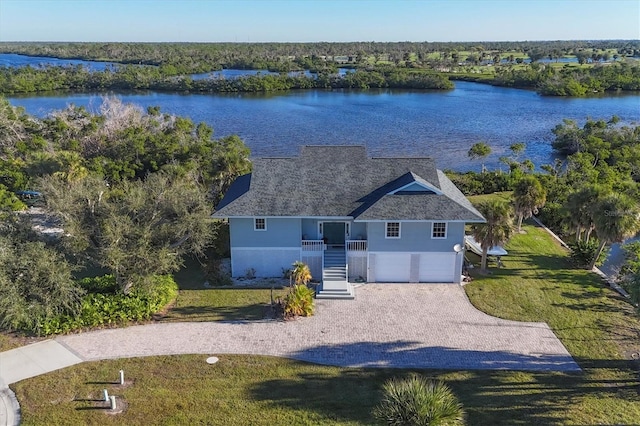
(437, 267)
(392, 267)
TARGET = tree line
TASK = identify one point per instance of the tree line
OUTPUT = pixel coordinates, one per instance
(78, 78)
(168, 66)
(570, 80)
(547, 80)
(191, 58)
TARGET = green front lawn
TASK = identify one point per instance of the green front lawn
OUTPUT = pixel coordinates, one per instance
(222, 304)
(537, 283)
(195, 302)
(599, 328)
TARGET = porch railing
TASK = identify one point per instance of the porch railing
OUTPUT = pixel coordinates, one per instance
(312, 245)
(356, 245)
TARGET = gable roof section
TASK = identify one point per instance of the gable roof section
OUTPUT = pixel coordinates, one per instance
(416, 184)
(342, 181)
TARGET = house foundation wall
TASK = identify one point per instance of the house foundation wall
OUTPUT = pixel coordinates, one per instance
(265, 262)
(357, 262)
(314, 262)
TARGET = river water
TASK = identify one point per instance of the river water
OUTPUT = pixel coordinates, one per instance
(441, 124)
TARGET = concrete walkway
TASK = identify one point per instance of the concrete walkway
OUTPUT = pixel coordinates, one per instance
(387, 325)
(22, 363)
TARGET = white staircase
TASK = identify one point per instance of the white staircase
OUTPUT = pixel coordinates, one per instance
(334, 276)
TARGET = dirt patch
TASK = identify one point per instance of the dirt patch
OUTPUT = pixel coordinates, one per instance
(44, 223)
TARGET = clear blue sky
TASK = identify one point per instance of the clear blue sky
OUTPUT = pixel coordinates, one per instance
(317, 20)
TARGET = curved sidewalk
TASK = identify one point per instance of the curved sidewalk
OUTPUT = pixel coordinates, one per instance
(387, 325)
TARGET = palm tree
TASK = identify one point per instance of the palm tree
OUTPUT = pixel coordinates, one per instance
(528, 196)
(496, 230)
(580, 207)
(615, 218)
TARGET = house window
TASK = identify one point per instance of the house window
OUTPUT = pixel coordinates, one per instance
(439, 230)
(393, 230)
(259, 224)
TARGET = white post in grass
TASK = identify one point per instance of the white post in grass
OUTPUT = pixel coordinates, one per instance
(106, 395)
(122, 377)
(113, 402)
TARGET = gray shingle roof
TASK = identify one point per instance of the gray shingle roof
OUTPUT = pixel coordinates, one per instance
(342, 181)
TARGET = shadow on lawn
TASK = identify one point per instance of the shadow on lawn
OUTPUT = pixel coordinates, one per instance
(251, 312)
(489, 396)
(602, 306)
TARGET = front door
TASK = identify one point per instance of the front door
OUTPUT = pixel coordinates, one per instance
(334, 233)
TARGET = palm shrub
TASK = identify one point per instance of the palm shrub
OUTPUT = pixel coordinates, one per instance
(583, 253)
(417, 401)
(299, 302)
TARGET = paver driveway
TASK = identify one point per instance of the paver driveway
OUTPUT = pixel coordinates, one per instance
(394, 325)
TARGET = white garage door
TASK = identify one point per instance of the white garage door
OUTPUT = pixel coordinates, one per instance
(437, 267)
(392, 267)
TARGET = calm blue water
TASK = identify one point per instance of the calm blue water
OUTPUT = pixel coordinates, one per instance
(13, 60)
(441, 124)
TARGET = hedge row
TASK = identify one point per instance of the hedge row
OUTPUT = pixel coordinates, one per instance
(105, 306)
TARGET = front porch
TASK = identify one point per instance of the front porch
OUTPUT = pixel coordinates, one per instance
(338, 265)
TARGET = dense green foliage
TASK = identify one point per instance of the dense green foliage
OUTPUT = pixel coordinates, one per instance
(299, 299)
(36, 281)
(591, 194)
(417, 401)
(130, 77)
(185, 58)
(472, 183)
(105, 305)
(602, 66)
(583, 253)
(136, 229)
(629, 274)
(571, 80)
(133, 192)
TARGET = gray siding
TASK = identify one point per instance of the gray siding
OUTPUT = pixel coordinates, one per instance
(281, 232)
(414, 237)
